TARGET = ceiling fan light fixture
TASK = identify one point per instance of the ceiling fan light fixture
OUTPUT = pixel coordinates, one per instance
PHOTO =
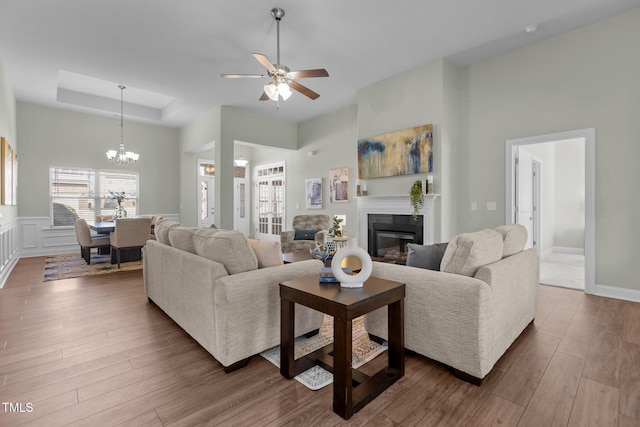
(284, 90)
(272, 91)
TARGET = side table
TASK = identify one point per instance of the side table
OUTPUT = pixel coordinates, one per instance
(352, 389)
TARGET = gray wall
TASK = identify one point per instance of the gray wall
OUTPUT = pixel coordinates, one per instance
(54, 137)
(582, 79)
(8, 130)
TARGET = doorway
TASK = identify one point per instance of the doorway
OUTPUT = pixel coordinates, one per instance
(562, 196)
(270, 203)
(206, 192)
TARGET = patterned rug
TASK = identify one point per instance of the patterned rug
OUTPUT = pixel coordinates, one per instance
(72, 265)
(315, 378)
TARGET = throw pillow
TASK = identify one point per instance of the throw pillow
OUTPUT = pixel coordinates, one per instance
(229, 248)
(181, 237)
(305, 234)
(162, 230)
(514, 237)
(467, 252)
(425, 256)
(269, 254)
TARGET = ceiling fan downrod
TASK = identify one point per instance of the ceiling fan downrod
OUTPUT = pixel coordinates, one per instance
(278, 14)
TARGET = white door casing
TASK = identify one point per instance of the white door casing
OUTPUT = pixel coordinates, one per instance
(524, 192)
(205, 193)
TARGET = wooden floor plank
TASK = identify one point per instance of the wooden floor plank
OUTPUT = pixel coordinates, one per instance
(553, 399)
(596, 404)
(498, 411)
(630, 381)
(605, 355)
(631, 331)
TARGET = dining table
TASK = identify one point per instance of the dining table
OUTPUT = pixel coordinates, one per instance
(126, 255)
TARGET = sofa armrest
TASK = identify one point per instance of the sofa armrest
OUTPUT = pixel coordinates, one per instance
(286, 237)
(514, 284)
(446, 315)
(248, 309)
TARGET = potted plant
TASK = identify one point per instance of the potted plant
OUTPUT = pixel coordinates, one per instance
(417, 199)
(336, 229)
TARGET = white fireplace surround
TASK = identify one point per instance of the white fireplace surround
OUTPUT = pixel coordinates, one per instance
(398, 205)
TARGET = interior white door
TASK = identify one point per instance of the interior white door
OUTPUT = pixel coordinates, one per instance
(206, 193)
(241, 202)
(524, 192)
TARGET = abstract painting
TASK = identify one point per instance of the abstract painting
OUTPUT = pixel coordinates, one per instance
(314, 193)
(339, 183)
(404, 152)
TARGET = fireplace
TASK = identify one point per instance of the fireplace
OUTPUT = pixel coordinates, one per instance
(389, 234)
(380, 206)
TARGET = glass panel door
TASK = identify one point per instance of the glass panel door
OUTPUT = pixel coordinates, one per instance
(270, 203)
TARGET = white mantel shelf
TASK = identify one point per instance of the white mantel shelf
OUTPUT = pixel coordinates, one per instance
(398, 205)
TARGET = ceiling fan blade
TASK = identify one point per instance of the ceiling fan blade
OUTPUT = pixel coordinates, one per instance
(303, 90)
(265, 62)
(300, 74)
(264, 97)
(243, 76)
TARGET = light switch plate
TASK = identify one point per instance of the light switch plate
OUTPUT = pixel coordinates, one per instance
(491, 206)
(474, 206)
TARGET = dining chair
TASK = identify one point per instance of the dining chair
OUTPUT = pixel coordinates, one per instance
(86, 240)
(130, 233)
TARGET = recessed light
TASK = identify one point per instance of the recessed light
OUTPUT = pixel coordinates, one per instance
(530, 29)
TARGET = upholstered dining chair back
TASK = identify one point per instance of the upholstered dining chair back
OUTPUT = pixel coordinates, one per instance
(130, 233)
(87, 241)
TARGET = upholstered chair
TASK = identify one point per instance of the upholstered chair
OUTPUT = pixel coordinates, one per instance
(307, 231)
(130, 233)
(86, 240)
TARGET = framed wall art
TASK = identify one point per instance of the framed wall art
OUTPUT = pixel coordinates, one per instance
(314, 193)
(404, 152)
(9, 173)
(339, 183)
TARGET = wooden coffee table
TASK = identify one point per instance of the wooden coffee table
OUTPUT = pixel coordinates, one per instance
(352, 389)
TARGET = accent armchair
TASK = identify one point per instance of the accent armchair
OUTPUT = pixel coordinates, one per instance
(86, 240)
(307, 231)
(130, 233)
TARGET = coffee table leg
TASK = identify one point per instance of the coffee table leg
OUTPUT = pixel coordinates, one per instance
(342, 378)
(396, 335)
(287, 361)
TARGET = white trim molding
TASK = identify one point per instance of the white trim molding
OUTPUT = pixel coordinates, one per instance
(8, 249)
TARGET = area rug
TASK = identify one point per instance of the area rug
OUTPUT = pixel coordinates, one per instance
(67, 266)
(364, 350)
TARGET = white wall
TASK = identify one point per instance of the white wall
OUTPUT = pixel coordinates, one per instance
(570, 194)
(585, 78)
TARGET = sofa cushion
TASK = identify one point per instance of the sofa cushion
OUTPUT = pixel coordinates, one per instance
(514, 237)
(229, 248)
(469, 251)
(304, 234)
(162, 230)
(425, 256)
(269, 254)
(181, 237)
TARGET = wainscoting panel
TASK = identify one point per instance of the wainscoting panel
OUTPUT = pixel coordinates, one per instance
(8, 249)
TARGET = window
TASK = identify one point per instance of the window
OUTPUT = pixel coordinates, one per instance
(84, 193)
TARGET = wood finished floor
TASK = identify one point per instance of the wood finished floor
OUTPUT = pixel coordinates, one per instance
(93, 352)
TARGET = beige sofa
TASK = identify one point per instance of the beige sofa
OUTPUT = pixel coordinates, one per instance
(469, 313)
(209, 283)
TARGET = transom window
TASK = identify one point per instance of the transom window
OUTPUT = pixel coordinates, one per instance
(84, 193)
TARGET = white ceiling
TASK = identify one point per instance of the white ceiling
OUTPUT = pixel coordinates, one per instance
(73, 54)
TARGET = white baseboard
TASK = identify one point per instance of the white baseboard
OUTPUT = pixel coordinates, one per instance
(618, 293)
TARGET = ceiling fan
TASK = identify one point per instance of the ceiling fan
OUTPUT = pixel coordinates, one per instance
(282, 78)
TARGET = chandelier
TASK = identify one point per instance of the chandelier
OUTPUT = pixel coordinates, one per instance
(121, 157)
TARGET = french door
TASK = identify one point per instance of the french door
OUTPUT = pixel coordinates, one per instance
(270, 203)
